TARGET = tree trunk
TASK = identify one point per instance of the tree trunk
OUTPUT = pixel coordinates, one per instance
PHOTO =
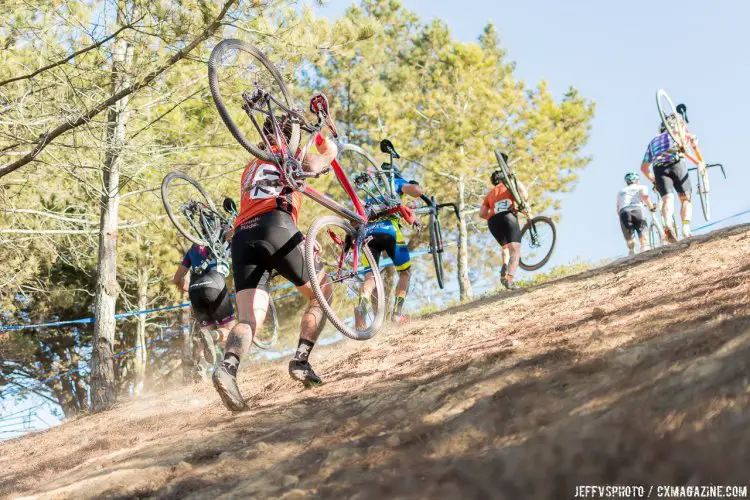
(187, 344)
(464, 284)
(141, 353)
(103, 386)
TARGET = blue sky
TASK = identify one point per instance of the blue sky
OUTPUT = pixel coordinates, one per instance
(618, 54)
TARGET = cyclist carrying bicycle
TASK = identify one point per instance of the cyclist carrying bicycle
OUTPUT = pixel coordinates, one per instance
(669, 172)
(265, 239)
(387, 237)
(209, 299)
(630, 202)
(500, 210)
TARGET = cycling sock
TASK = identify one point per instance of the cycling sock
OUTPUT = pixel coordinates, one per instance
(303, 350)
(231, 363)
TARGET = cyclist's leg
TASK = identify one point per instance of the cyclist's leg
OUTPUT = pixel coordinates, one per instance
(627, 230)
(497, 229)
(399, 254)
(288, 259)
(664, 186)
(684, 189)
(376, 247)
(513, 245)
(639, 226)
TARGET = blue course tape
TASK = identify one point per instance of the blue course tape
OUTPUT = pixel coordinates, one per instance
(386, 262)
(722, 220)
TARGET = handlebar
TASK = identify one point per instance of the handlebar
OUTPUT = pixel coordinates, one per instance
(712, 165)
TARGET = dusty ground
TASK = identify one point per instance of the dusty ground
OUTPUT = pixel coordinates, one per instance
(634, 373)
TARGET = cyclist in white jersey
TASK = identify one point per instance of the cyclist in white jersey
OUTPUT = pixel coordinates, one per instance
(630, 202)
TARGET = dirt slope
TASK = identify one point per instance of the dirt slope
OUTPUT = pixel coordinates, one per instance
(634, 373)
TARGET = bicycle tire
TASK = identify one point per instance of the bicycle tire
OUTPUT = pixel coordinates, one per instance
(274, 324)
(663, 113)
(703, 189)
(213, 83)
(538, 220)
(655, 236)
(436, 248)
(337, 322)
(165, 197)
(512, 183)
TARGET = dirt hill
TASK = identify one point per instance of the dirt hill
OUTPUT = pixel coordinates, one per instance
(638, 372)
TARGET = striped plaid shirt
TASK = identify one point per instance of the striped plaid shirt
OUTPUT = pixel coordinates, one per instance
(661, 150)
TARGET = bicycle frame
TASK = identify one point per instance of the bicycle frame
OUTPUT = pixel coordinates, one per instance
(294, 176)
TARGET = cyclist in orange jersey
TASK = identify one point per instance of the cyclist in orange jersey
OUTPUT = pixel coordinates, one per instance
(265, 239)
(499, 209)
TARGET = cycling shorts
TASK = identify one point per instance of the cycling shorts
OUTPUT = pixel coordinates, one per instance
(387, 237)
(504, 228)
(209, 298)
(266, 243)
(672, 175)
(632, 219)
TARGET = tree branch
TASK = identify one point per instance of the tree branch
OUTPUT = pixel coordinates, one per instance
(71, 56)
(46, 138)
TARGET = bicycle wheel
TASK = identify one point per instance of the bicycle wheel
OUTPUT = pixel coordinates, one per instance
(538, 240)
(436, 247)
(655, 236)
(703, 189)
(666, 108)
(357, 315)
(186, 202)
(234, 67)
(512, 182)
(268, 334)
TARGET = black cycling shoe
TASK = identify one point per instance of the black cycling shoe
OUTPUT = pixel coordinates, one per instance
(302, 371)
(226, 385)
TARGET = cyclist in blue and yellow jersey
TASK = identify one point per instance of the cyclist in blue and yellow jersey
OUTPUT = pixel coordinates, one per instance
(387, 237)
(670, 172)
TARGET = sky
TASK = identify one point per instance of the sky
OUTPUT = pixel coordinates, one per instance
(618, 54)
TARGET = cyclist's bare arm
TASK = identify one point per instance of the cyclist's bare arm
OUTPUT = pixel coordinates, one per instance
(645, 168)
(523, 192)
(315, 162)
(180, 278)
(414, 190)
(647, 201)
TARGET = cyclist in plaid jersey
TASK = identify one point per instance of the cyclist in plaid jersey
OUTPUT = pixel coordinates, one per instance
(669, 172)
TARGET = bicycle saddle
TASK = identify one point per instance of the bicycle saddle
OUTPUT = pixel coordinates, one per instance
(386, 146)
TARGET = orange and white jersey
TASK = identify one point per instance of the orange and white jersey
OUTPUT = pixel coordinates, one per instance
(259, 199)
(499, 200)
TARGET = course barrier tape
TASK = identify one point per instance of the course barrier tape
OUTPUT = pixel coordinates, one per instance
(385, 263)
(19, 390)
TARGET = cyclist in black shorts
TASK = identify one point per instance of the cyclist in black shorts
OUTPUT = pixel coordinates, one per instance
(209, 298)
(670, 172)
(265, 239)
(499, 208)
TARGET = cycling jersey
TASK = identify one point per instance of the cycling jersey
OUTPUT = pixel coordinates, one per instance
(257, 199)
(631, 196)
(499, 200)
(199, 259)
(387, 236)
(661, 150)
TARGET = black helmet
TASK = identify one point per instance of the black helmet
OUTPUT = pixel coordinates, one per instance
(497, 177)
